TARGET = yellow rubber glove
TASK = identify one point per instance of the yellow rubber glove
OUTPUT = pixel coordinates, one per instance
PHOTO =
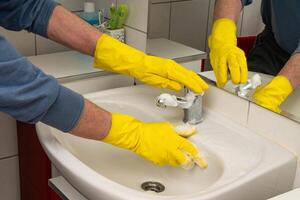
(156, 142)
(115, 56)
(224, 53)
(273, 94)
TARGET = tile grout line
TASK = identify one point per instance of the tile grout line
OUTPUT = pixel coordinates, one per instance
(248, 113)
(9, 157)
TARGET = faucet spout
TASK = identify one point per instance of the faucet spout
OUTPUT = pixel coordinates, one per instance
(194, 114)
(191, 103)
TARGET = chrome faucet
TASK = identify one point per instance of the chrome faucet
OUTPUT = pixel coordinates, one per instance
(191, 104)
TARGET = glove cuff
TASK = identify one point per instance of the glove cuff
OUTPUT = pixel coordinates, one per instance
(284, 86)
(122, 130)
(223, 32)
(274, 93)
(113, 55)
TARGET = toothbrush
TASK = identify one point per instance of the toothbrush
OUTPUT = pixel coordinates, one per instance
(113, 17)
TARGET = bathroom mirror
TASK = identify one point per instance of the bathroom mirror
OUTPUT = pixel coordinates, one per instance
(189, 22)
(290, 107)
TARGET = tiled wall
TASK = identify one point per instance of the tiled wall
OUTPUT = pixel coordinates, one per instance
(189, 21)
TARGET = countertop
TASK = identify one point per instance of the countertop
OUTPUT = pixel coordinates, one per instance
(65, 64)
(70, 64)
(169, 49)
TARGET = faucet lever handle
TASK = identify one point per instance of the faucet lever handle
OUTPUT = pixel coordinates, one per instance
(165, 100)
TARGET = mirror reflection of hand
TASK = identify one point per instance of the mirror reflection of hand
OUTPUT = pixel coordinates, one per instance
(225, 55)
(273, 94)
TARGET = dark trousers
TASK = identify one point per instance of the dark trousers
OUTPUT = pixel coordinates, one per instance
(267, 56)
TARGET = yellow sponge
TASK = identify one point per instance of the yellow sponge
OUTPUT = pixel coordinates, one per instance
(185, 130)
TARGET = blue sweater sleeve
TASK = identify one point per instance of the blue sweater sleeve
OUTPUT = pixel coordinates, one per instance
(32, 15)
(29, 95)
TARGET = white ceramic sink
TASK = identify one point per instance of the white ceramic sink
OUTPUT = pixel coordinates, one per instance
(242, 164)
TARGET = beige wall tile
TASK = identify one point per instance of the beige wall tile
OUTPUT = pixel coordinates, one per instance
(189, 23)
(136, 39)
(45, 46)
(23, 41)
(9, 179)
(159, 1)
(138, 14)
(8, 136)
(73, 5)
(159, 20)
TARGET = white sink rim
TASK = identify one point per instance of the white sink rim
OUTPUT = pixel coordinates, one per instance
(58, 155)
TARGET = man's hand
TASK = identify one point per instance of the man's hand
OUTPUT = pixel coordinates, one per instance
(272, 95)
(276, 91)
(225, 55)
(156, 142)
(115, 56)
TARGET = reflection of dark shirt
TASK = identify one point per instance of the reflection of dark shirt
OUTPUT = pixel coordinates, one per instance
(283, 18)
(26, 93)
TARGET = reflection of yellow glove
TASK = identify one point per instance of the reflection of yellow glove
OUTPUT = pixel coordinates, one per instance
(115, 56)
(274, 93)
(225, 54)
(156, 142)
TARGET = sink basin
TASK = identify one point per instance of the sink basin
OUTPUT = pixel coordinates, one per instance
(241, 163)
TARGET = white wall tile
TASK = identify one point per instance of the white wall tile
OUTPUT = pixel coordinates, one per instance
(9, 179)
(136, 39)
(227, 104)
(8, 136)
(99, 83)
(45, 46)
(277, 128)
(23, 41)
(138, 14)
(73, 5)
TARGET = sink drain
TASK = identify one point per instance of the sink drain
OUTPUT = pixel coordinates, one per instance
(153, 186)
